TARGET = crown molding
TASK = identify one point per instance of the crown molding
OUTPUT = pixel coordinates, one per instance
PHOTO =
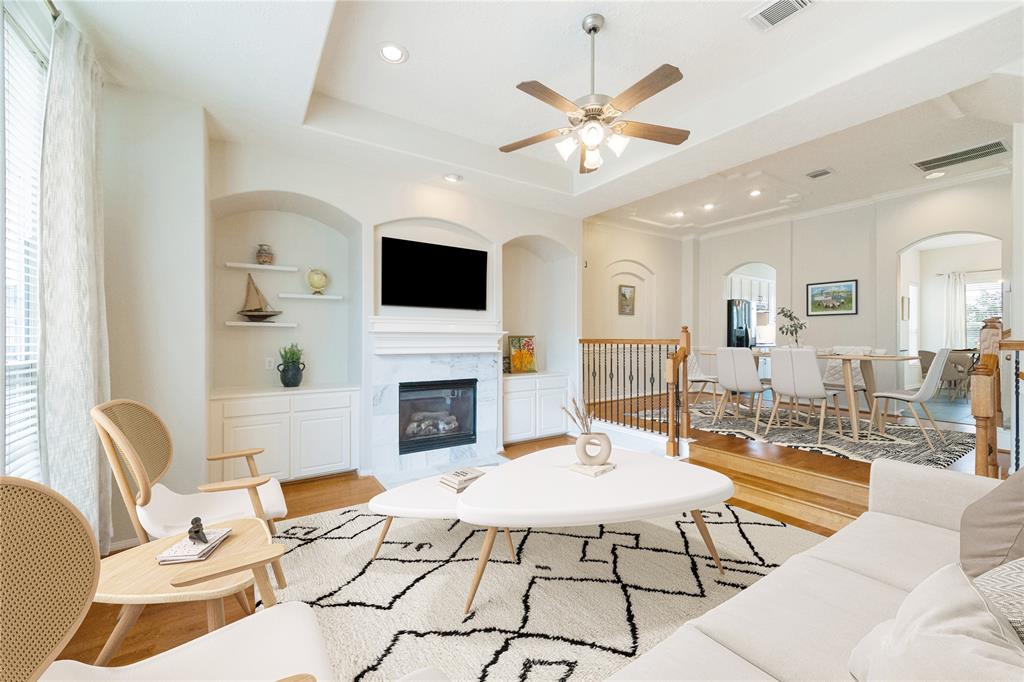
(600, 222)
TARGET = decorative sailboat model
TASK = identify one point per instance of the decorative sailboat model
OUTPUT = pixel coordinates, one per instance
(256, 308)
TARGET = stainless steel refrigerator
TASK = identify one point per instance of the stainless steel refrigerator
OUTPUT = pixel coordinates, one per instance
(740, 329)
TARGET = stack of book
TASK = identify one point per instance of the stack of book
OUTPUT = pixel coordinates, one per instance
(459, 480)
(186, 550)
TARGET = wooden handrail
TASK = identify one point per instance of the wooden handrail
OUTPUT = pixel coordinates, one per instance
(633, 342)
(677, 365)
(1011, 344)
(986, 398)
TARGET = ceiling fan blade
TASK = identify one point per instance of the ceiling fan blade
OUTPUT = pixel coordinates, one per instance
(548, 96)
(649, 131)
(531, 140)
(583, 158)
(648, 86)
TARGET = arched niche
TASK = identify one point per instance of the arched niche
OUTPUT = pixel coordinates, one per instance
(626, 276)
(434, 231)
(756, 282)
(304, 232)
(539, 282)
(922, 314)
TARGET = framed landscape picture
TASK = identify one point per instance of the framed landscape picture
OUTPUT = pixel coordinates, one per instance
(522, 354)
(627, 299)
(832, 298)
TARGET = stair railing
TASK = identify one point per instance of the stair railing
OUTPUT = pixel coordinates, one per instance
(998, 360)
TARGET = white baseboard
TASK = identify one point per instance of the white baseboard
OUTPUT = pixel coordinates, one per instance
(634, 439)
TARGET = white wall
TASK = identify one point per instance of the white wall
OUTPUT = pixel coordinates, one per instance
(154, 179)
(934, 264)
(652, 264)
(324, 329)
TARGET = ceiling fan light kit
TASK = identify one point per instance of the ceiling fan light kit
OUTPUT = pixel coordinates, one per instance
(595, 119)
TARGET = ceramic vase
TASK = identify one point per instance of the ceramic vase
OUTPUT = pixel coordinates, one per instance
(264, 255)
(291, 373)
(589, 440)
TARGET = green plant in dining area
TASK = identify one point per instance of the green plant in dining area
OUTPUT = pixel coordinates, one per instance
(291, 366)
(794, 325)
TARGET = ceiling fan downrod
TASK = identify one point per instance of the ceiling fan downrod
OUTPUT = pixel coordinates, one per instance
(592, 24)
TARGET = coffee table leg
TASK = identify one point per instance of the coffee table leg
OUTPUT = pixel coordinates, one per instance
(511, 547)
(383, 534)
(698, 520)
(481, 564)
(259, 573)
(243, 601)
(129, 615)
(214, 614)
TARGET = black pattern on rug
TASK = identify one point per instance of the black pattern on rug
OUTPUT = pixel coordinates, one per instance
(901, 442)
(618, 588)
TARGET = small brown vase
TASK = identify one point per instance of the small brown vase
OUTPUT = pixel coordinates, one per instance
(264, 255)
(604, 448)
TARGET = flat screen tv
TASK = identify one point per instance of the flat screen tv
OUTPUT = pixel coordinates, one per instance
(421, 275)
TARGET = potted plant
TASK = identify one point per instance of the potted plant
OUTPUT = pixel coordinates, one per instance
(794, 325)
(583, 420)
(291, 365)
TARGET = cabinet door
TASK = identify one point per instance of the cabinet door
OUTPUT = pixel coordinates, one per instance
(267, 431)
(551, 419)
(520, 416)
(321, 442)
(745, 289)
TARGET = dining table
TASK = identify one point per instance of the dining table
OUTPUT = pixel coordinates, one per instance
(867, 370)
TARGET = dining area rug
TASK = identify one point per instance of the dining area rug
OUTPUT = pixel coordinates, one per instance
(904, 443)
(571, 604)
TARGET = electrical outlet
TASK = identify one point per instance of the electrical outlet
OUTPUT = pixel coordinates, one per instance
(268, 363)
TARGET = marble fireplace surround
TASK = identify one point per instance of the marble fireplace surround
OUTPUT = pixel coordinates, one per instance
(406, 349)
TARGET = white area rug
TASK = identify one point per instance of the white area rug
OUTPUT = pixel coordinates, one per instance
(578, 603)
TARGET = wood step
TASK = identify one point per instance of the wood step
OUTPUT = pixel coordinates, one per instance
(832, 485)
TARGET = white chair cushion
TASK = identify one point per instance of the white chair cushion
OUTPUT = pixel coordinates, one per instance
(271, 644)
(169, 512)
(801, 621)
(688, 654)
(877, 546)
(944, 630)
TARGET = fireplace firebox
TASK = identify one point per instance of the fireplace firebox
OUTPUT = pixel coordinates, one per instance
(436, 414)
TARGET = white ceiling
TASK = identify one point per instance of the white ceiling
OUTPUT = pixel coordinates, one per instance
(868, 160)
(306, 76)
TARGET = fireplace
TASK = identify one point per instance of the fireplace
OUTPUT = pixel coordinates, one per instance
(436, 414)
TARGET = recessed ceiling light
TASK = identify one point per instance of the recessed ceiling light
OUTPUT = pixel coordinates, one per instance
(453, 178)
(393, 53)
(755, 192)
(709, 207)
(933, 175)
(677, 214)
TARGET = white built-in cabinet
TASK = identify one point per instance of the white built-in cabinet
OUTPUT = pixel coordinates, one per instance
(760, 291)
(304, 432)
(533, 405)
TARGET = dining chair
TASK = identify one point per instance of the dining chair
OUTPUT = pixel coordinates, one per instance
(737, 374)
(48, 578)
(795, 375)
(927, 358)
(929, 387)
(696, 374)
(138, 443)
(834, 379)
(952, 379)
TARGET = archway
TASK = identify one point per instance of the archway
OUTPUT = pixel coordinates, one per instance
(948, 284)
(750, 293)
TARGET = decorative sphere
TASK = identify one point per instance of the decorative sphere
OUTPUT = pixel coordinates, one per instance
(317, 280)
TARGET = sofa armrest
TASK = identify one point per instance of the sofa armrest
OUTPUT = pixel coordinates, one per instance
(934, 496)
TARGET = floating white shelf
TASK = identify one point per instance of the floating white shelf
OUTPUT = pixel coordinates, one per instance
(313, 297)
(269, 325)
(257, 266)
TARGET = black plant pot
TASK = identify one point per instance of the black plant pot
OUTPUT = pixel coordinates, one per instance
(291, 373)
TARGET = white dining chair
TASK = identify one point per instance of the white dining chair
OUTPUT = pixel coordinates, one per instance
(696, 374)
(737, 374)
(795, 375)
(928, 389)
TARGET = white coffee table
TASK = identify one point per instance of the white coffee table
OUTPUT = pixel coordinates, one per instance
(422, 499)
(540, 491)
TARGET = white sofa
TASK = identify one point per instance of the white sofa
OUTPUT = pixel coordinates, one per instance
(802, 620)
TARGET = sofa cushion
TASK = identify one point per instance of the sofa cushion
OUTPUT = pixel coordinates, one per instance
(992, 528)
(944, 630)
(892, 549)
(1003, 589)
(801, 621)
(687, 654)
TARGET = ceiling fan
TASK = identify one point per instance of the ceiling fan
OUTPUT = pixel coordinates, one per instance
(594, 119)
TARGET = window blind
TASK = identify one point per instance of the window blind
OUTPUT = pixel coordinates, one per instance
(983, 300)
(24, 100)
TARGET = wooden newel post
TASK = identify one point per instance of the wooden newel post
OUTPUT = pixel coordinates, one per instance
(678, 382)
(986, 399)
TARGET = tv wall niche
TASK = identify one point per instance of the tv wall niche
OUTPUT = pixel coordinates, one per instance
(423, 275)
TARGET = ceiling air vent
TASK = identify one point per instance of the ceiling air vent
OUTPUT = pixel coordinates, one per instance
(771, 14)
(990, 149)
(820, 173)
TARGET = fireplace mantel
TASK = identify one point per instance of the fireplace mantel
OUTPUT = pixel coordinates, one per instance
(432, 336)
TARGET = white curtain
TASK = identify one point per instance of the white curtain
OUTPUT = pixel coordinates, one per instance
(75, 373)
(956, 310)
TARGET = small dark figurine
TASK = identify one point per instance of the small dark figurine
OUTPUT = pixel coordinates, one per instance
(195, 533)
